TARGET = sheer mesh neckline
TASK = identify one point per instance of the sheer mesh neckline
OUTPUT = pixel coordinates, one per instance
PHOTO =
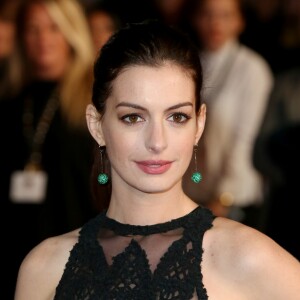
(128, 229)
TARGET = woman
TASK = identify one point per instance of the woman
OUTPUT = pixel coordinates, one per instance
(154, 242)
(45, 183)
(55, 45)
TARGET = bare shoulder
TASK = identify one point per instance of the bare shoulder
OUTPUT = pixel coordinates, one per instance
(247, 258)
(246, 243)
(43, 267)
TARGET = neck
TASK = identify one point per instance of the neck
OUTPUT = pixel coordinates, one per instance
(138, 208)
(216, 51)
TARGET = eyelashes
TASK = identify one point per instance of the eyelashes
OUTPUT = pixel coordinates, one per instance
(134, 118)
(179, 117)
(131, 119)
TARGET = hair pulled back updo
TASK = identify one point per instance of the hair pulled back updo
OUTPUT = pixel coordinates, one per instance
(149, 43)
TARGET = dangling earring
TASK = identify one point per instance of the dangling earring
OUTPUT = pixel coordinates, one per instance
(196, 177)
(102, 177)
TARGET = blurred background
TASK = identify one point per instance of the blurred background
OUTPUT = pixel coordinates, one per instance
(249, 153)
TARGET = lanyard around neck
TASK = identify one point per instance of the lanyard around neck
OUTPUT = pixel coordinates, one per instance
(36, 137)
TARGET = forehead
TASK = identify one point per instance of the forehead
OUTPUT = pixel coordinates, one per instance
(146, 83)
(38, 14)
(36, 9)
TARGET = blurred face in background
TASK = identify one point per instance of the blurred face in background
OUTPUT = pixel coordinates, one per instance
(218, 21)
(170, 10)
(102, 27)
(45, 46)
(7, 34)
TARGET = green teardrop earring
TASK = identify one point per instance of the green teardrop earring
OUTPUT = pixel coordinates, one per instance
(102, 177)
(196, 176)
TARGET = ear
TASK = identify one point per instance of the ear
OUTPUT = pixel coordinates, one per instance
(201, 118)
(94, 124)
(240, 25)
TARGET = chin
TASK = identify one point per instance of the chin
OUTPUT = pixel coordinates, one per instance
(156, 186)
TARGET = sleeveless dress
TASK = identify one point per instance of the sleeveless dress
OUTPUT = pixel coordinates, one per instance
(112, 260)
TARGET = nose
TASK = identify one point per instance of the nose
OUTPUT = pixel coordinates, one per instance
(43, 37)
(156, 137)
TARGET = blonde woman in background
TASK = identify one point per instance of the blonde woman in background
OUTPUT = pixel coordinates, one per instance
(45, 168)
(66, 18)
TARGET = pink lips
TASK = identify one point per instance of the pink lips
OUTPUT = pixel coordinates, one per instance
(154, 166)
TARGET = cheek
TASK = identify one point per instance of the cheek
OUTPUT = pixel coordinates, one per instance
(236, 28)
(187, 150)
(183, 144)
(203, 28)
(62, 46)
(119, 146)
(30, 43)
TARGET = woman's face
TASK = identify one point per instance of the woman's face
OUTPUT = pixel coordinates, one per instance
(218, 21)
(45, 46)
(150, 127)
(7, 34)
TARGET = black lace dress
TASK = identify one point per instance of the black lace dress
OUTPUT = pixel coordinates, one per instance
(120, 261)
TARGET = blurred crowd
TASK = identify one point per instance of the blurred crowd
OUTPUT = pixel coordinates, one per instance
(248, 155)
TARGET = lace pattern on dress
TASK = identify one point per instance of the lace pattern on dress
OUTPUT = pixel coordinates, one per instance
(120, 261)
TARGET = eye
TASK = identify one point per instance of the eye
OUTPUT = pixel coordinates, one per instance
(179, 118)
(132, 119)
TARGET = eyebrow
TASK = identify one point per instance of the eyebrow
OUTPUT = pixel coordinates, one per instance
(136, 106)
